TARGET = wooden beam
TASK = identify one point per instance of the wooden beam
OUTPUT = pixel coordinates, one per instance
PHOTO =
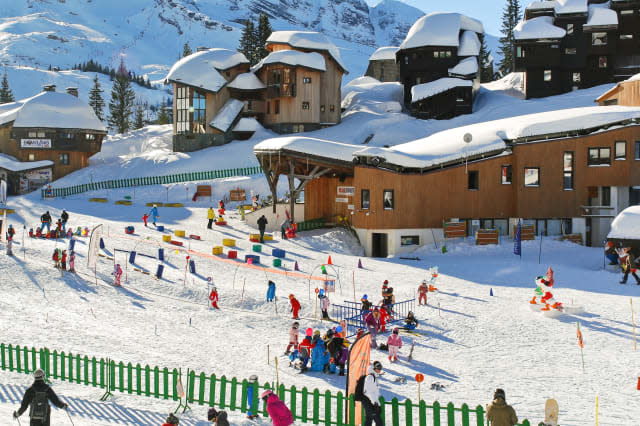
(272, 179)
(292, 196)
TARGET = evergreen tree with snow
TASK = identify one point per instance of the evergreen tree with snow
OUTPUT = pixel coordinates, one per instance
(249, 42)
(163, 115)
(186, 50)
(138, 121)
(122, 101)
(95, 98)
(264, 31)
(486, 64)
(6, 95)
(510, 18)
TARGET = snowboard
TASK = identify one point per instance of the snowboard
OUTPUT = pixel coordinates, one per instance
(410, 357)
(551, 413)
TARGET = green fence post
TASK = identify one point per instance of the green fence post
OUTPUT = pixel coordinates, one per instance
(165, 382)
(70, 358)
(244, 395)
(94, 369)
(293, 406)
(78, 369)
(340, 409)
(223, 391)
(256, 402)
(34, 363)
(121, 376)
(190, 385)
(25, 356)
(156, 382)
(264, 406)
(175, 377)
(212, 390)
(86, 370)
(408, 412)
(436, 413)
(147, 380)
(3, 360)
(18, 361)
(383, 412)
(352, 410)
(234, 390)
(112, 374)
(451, 414)
(138, 379)
(102, 370)
(479, 415)
(201, 386)
(304, 404)
(316, 407)
(327, 408)
(129, 378)
(465, 415)
(63, 367)
(526, 423)
(422, 413)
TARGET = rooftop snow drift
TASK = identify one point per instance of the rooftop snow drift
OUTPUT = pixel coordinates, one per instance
(537, 28)
(201, 69)
(440, 29)
(307, 40)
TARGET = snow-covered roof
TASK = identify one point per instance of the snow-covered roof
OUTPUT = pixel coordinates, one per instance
(626, 226)
(601, 16)
(51, 110)
(227, 115)
(384, 54)
(201, 69)
(307, 40)
(544, 4)
(634, 77)
(571, 6)
(467, 66)
(246, 81)
(469, 44)
(310, 146)
(426, 90)
(294, 58)
(440, 29)
(536, 28)
(10, 163)
(247, 124)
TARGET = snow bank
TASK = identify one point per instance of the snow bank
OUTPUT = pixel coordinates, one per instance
(227, 115)
(307, 40)
(294, 58)
(601, 16)
(466, 66)
(626, 226)
(440, 29)
(469, 44)
(384, 53)
(426, 90)
(201, 69)
(247, 124)
(541, 27)
(51, 110)
(10, 163)
(246, 81)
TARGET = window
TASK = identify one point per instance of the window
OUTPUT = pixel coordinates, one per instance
(448, 53)
(199, 109)
(567, 170)
(577, 78)
(532, 176)
(321, 108)
(365, 199)
(41, 134)
(473, 180)
(305, 105)
(387, 199)
(276, 106)
(599, 156)
(598, 39)
(547, 75)
(406, 59)
(626, 36)
(90, 137)
(505, 175)
(32, 157)
(64, 159)
(332, 108)
(436, 54)
(33, 135)
(410, 240)
(602, 62)
(637, 157)
(569, 29)
(610, 102)
(228, 73)
(306, 80)
(66, 135)
(606, 195)
(519, 52)
(182, 109)
(570, 51)
(621, 150)
(418, 80)
(626, 12)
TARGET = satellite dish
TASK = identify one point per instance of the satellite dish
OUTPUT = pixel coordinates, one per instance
(467, 137)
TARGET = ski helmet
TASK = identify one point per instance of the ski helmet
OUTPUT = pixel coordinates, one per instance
(365, 297)
(265, 394)
(253, 378)
(386, 282)
(424, 281)
(377, 365)
(296, 324)
(396, 330)
(38, 374)
(309, 331)
(499, 393)
(291, 296)
(338, 329)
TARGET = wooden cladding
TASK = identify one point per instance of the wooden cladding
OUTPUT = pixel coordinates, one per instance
(527, 232)
(455, 229)
(486, 236)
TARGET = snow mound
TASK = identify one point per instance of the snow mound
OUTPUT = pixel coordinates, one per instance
(426, 90)
(294, 58)
(247, 124)
(201, 68)
(466, 66)
(541, 27)
(626, 226)
(307, 40)
(469, 44)
(384, 53)
(440, 29)
(246, 81)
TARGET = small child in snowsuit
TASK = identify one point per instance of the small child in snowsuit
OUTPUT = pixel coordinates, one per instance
(295, 306)
(271, 291)
(72, 262)
(31, 235)
(324, 305)
(10, 233)
(423, 289)
(251, 413)
(38, 232)
(117, 272)
(145, 217)
(63, 260)
(366, 305)
(410, 323)
(213, 296)
(293, 338)
(394, 342)
(56, 258)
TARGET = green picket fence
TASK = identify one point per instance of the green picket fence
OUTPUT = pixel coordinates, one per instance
(307, 406)
(308, 225)
(150, 180)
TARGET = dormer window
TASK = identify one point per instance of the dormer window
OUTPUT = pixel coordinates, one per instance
(599, 39)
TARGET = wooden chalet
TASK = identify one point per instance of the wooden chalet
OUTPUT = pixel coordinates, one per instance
(568, 45)
(626, 93)
(50, 127)
(383, 66)
(431, 57)
(560, 172)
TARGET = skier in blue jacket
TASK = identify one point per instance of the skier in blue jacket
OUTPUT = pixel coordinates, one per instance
(154, 214)
(271, 292)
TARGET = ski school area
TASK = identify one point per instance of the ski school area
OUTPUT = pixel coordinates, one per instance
(135, 323)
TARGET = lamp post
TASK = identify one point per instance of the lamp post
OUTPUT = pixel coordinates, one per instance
(467, 138)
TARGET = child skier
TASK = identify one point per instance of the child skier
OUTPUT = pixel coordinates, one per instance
(423, 289)
(72, 261)
(213, 296)
(10, 233)
(305, 348)
(324, 305)
(384, 318)
(251, 412)
(366, 305)
(153, 213)
(31, 235)
(293, 338)
(64, 218)
(56, 258)
(295, 306)
(63, 260)
(410, 323)
(271, 291)
(117, 272)
(394, 342)
(145, 217)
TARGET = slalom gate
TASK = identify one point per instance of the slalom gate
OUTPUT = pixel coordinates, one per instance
(352, 314)
(307, 406)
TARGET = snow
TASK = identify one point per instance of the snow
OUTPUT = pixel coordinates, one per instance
(8, 162)
(307, 40)
(227, 115)
(626, 226)
(312, 60)
(426, 90)
(466, 66)
(571, 6)
(247, 124)
(200, 69)
(634, 77)
(307, 145)
(51, 110)
(544, 4)
(537, 28)
(387, 53)
(600, 16)
(440, 29)
(246, 81)
(469, 44)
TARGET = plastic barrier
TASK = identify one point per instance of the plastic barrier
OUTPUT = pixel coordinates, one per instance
(98, 200)
(159, 271)
(160, 228)
(217, 250)
(233, 254)
(278, 253)
(228, 242)
(192, 266)
(161, 254)
(257, 248)
(177, 243)
(132, 257)
(255, 259)
(277, 262)
(129, 230)
(166, 238)
(194, 237)
(124, 202)
(179, 233)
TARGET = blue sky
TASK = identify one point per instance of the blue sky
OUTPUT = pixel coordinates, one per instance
(488, 11)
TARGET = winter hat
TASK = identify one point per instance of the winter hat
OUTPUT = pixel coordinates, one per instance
(424, 281)
(265, 394)
(316, 333)
(338, 329)
(377, 365)
(396, 330)
(365, 297)
(385, 282)
(38, 374)
(172, 419)
(253, 378)
(499, 393)
(212, 414)
(330, 333)
(309, 331)
(291, 296)
(296, 324)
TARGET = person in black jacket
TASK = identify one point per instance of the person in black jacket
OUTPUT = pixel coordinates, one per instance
(38, 396)
(46, 221)
(65, 217)
(262, 225)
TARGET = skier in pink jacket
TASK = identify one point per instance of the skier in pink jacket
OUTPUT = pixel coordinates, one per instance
(278, 411)
(394, 342)
(293, 338)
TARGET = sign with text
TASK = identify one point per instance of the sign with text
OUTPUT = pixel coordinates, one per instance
(35, 143)
(347, 190)
(342, 200)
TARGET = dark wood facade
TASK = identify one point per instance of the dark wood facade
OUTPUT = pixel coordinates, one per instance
(384, 70)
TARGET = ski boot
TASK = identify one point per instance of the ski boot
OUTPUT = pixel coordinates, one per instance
(533, 301)
(546, 307)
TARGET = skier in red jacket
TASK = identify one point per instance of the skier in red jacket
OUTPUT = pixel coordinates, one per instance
(295, 306)
(422, 292)
(213, 296)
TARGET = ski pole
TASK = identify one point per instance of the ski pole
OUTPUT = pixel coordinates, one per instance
(18, 419)
(66, 409)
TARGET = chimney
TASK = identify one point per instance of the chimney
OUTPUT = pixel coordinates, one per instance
(201, 49)
(49, 88)
(72, 91)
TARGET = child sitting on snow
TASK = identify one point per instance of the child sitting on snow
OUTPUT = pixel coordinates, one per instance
(410, 323)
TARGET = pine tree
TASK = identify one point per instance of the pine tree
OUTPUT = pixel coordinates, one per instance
(138, 122)
(6, 95)
(186, 50)
(122, 100)
(163, 115)
(264, 31)
(486, 64)
(510, 18)
(248, 42)
(95, 99)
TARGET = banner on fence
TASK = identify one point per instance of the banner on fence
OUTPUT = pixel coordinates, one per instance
(94, 245)
(358, 364)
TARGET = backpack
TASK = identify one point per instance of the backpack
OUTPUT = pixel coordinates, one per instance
(358, 395)
(39, 407)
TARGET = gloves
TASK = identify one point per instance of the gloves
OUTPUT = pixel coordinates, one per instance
(15, 414)
(65, 406)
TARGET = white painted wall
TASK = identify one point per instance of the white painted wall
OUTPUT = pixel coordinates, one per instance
(394, 246)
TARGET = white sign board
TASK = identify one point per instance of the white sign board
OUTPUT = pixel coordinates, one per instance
(351, 206)
(42, 174)
(455, 220)
(342, 200)
(35, 143)
(347, 190)
(475, 222)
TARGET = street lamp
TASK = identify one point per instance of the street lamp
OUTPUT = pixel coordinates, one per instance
(467, 138)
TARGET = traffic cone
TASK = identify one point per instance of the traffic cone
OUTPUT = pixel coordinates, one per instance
(491, 292)
(638, 387)
(359, 264)
(329, 261)
(295, 267)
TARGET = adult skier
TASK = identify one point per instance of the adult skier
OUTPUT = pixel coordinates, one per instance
(262, 225)
(38, 396)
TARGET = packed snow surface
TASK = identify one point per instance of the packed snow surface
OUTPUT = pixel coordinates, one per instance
(426, 90)
(626, 225)
(307, 40)
(540, 27)
(246, 81)
(384, 54)
(201, 69)
(440, 29)
(467, 66)
(8, 162)
(295, 58)
(227, 115)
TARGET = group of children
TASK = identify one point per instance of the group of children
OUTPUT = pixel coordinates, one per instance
(328, 353)
(60, 259)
